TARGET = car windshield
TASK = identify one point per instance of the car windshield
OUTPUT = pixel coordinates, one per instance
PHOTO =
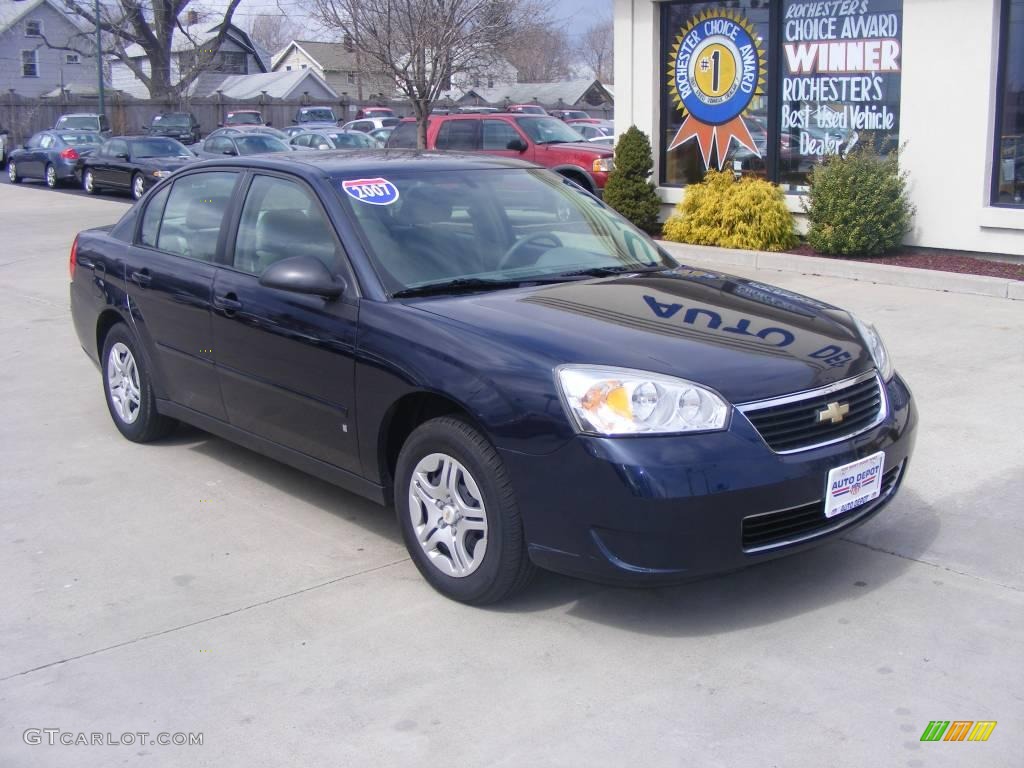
(159, 148)
(244, 118)
(82, 122)
(257, 143)
(355, 139)
(175, 120)
(548, 130)
(78, 139)
(484, 229)
(319, 115)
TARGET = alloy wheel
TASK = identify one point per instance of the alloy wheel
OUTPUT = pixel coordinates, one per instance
(12, 172)
(123, 383)
(448, 515)
(87, 182)
(138, 187)
(51, 176)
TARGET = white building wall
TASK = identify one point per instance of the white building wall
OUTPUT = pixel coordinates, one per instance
(947, 115)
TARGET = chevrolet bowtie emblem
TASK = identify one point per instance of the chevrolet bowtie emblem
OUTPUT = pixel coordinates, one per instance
(833, 412)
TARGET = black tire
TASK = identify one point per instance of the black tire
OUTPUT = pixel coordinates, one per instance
(135, 186)
(506, 567)
(148, 425)
(89, 183)
(12, 172)
(51, 180)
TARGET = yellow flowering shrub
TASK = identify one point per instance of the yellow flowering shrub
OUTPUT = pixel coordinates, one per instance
(747, 213)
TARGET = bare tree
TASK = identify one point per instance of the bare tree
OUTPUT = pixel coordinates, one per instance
(596, 49)
(273, 31)
(540, 52)
(152, 25)
(422, 44)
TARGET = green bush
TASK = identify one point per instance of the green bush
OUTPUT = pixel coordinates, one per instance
(629, 190)
(746, 213)
(857, 205)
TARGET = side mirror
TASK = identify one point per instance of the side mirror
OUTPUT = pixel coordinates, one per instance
(25, 145)
(121, 156)
(302, 274)
(229, 151)
(220, 125)
(517, 145)
(269, 124)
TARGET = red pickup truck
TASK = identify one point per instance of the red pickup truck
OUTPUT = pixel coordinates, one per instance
(542, 139)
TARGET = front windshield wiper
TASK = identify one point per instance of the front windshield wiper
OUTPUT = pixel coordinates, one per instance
(458, 285)
(608, 271)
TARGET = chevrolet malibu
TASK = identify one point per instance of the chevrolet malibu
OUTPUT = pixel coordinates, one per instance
(528, 379)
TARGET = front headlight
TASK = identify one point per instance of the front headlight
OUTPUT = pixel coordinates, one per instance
(161, 174)
(604, 165)
(883, 362)
(621, 401)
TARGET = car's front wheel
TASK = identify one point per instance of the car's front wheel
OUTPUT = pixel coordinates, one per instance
(51, 176)
(138, 186)
(458, 514)
(89, 183)
(129, 389)
(12, 173)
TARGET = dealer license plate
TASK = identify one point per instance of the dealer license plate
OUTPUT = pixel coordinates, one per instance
(854, 484)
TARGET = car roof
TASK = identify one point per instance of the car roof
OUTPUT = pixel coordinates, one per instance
(79, 114)
(375, 162)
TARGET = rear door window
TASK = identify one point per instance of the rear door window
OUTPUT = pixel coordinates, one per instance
(194, 213)
(459, 135)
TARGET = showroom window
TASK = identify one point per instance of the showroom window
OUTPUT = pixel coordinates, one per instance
(771, 88)
(1008, 179)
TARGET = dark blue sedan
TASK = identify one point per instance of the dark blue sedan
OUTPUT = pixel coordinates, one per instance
(528, 379)
(55, 156)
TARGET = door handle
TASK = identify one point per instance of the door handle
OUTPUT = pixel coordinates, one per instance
(142, 278)
(228, 302)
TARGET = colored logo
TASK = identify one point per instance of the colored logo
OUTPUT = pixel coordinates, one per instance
(958, 730)
(715, 70)
(372, 191)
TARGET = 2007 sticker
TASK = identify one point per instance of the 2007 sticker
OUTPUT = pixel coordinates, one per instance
(372, 191)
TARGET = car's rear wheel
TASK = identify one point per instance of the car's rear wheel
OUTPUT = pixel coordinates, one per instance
(138, 186)
(458, 514)
(12, 173)
(51, 176)
(129, 389)
(89, 183)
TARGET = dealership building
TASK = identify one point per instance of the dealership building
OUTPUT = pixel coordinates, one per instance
(772, 87)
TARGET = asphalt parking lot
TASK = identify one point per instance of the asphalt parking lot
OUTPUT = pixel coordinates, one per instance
(191, 586)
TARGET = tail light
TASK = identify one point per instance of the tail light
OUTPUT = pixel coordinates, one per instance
(74, 258)
(70, 154)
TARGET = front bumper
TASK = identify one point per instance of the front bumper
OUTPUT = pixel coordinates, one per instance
(668, 509)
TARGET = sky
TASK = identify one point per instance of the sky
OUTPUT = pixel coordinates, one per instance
(577, 15)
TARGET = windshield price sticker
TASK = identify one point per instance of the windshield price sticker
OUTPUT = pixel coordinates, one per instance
(853, 484)
(372, 191)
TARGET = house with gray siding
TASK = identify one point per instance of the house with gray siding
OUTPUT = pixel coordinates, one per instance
(27, 62)
(238, 55)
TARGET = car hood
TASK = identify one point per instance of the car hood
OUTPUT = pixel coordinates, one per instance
(164, 163)
(745, 339)
(578, 146)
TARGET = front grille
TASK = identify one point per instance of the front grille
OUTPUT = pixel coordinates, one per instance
(788, 526)
(792, 423)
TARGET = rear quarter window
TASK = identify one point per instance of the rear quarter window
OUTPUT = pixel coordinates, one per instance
(403, 137)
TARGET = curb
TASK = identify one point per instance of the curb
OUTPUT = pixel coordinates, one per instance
(884, 274)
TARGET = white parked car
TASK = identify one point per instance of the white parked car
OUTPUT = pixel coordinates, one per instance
(367, 124)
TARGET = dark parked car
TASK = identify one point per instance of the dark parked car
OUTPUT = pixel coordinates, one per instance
(88, 122)
(182, 126)
(335, 138)
(241, 143)
(54, 156)
(243, 117)
(541, 139)
(528, 379)
(133, 164)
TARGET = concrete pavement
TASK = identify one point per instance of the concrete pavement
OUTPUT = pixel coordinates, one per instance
(193, 586)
